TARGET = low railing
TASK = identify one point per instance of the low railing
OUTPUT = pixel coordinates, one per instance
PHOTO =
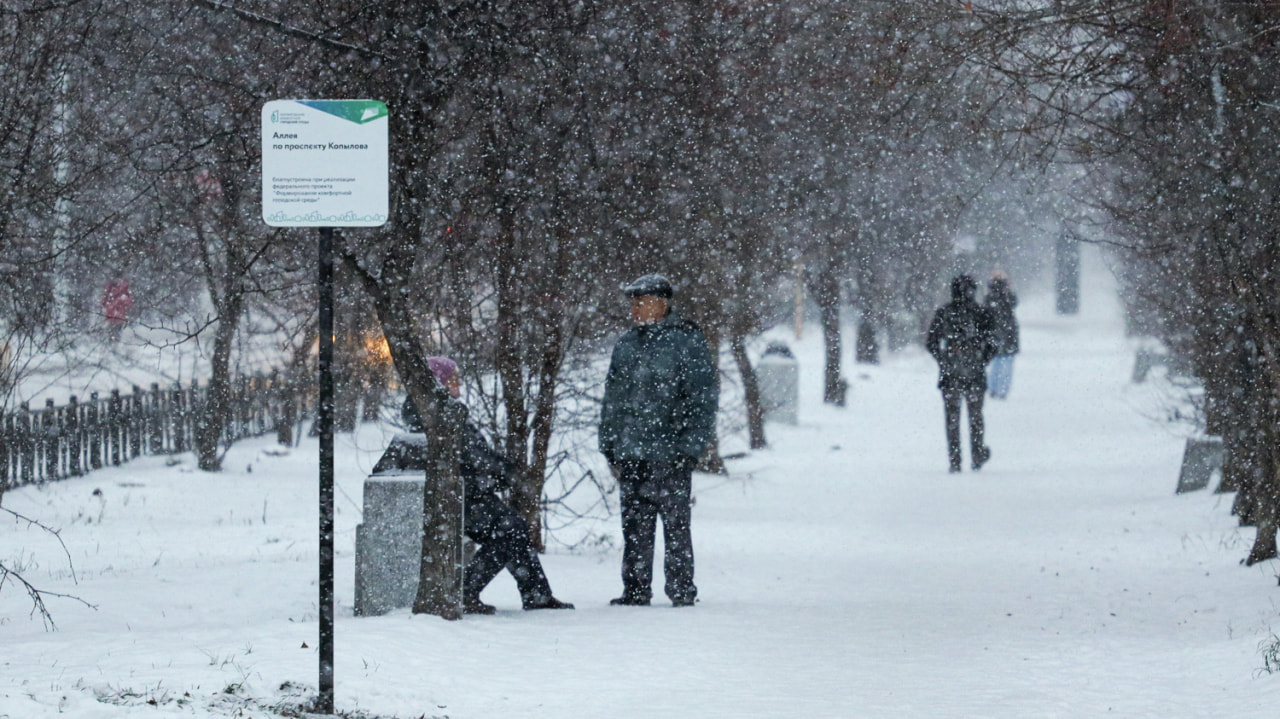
(57, 442)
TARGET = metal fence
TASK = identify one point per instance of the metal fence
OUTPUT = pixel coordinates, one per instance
(54, 443)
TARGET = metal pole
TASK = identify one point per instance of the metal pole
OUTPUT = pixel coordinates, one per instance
(324, 428)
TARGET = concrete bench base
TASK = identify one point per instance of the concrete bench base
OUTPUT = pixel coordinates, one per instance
(389, 544)
(389, 540)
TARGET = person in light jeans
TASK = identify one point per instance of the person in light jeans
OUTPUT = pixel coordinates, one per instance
(1000, 301)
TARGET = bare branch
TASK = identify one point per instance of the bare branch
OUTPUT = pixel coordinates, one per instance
(280, 26)
(36, 594)
(57, 534)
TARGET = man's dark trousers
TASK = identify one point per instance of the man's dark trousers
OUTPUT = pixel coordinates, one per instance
(951, 399)
(503, 536)
(650, 490)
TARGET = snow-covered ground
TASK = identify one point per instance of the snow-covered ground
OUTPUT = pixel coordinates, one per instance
(842, 573)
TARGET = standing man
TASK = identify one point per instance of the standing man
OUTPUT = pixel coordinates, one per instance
(657, 418)
(961, 340)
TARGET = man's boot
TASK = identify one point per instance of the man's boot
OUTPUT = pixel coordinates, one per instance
(629, 599)
(981, 456)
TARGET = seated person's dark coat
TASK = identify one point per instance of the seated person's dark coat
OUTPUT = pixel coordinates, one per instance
(503, 535)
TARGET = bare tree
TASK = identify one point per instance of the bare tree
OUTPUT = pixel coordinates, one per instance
(1172, 105)
(40, 59)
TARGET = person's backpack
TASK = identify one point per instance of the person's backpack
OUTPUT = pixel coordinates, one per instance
(964, 344)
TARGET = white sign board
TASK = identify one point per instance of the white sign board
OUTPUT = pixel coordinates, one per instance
(324, 163)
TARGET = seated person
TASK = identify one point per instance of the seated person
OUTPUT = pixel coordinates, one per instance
(503, 535)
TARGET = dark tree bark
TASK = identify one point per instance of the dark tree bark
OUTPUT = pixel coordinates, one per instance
(1265, 488)
(711, 461)
(1266, 505)
(286, 408)
(293, 387)
(510, 351)
(825, 289)
(528, 500)
(440, 569)
(217, 407)
(347, 384)
(227, 288)
(867, 350)
(751, 388)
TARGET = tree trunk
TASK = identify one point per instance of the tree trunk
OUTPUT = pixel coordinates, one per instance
(1249, 461)
(1237, 436)
(440, 567)
(711, 461)
(751, 388)
(294, 385)
(375, 391)
(1223, 418)
(217, 404)
(285, 410)
(509, 351)
(349, 355)
(1250, 473)
(867, 350)
(347, 380)
(1266, 486)
(527, 493)
(1266, 514)
(528, 501)
(826, 292)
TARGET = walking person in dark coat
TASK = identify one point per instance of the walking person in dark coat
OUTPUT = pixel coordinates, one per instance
(1000, 301)
(657, 418)
(960, 339)
(501, 533)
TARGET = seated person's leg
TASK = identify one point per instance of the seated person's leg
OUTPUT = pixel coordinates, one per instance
(503, 536)
(480, 523)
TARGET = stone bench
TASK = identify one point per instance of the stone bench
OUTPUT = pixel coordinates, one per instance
(389, 544)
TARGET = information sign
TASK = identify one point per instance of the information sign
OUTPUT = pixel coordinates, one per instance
(324, 163)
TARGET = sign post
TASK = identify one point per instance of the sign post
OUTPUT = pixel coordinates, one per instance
(325, 165)
(324, 428)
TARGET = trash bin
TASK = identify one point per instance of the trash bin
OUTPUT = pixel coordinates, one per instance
(1201, 459)
(779, 377)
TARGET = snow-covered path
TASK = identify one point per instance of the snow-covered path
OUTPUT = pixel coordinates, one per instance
(843, 573)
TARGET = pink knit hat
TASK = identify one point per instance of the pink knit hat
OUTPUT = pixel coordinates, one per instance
(443, 368)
